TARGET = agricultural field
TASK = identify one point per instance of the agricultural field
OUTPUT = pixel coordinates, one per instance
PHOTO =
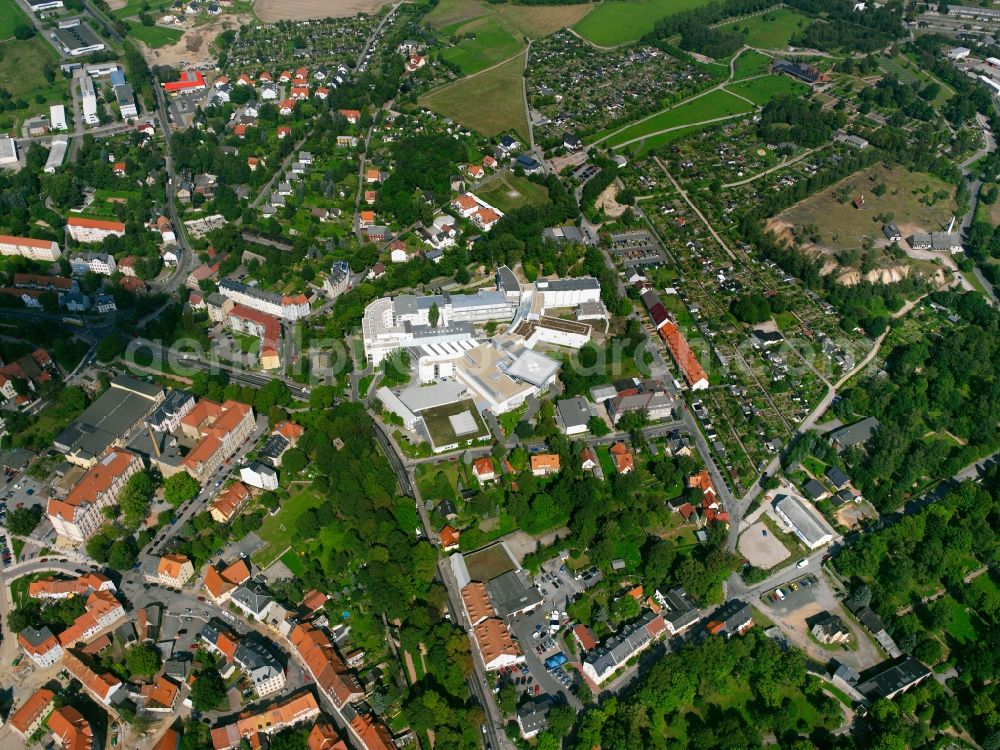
(618, 22)
(915, 202)
(11, 16)
(485, 43)
(156, 36)
(490, 102)
(761, 90)
(509, 192)
(712, 105)
(770, 30)
(531, 21)
(22, 66)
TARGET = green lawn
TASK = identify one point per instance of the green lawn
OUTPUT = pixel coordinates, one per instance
(750, 63)
(622, 21)
(762, 90)
(656, 141)
(11, 16)
(276, 531)
(22, 65)
(133, 8)
(962, 628)
(490, 102)
(156, 36)
(770, 30)
(710, 106)
(489, 44)
(604, 458)
(293, 563)
(510, 191)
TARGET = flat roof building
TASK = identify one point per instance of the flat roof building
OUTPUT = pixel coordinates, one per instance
(108, 420)
(77, 40)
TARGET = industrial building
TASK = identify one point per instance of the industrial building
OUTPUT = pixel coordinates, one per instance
(802, 520)
(57, 152)
(77, 40)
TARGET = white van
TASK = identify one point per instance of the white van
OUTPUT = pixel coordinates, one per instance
(802, 563)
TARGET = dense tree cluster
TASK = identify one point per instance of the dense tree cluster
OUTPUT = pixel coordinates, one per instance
(423, 163)
(799, 120)
(740, 690)
(947, 383)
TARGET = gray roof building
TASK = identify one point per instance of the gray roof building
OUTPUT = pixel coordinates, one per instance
(532, 717)
(252, 597)
(106, 421)
(573, 414)
(888, 682)
(803, 520)
(837, 477)
(510, 594)
(813, 489)
(730, 619)
(858, 433)
(679, 612)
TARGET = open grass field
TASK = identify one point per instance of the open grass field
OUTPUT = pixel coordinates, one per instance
(509, 192)
(11, 16)
(490, 102)
(450, 12)
(771, 30)
(713, 104)
(276, 531)
(618, 22)
(21, 73)
(487, 43)
(962, 629)
(761, 90)
(156, 36)
(750, 63)
(908, 197)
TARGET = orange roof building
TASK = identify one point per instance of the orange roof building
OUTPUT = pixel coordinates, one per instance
(84, 229)
(29, 247)
(288, 430)
(477, 603)
(190, 80)
(373, 734)
(29, 717)
(160, 696)
(50, 588)
(101, 611)
(585, 637)
(314, 599)
(324, 737)
(483, 469)
(496, 645)
(70, 728)
(353, 116)
(171, 740)
(221, 429)
(543, 464)
(80, 515)
(220, 583)
(260, 325)
(691, 368)
(174, 570)
(326, 667)
(229, 502)
(622, 456)
(449, 537)
(41, 646)
(100, 686)
(293, 711)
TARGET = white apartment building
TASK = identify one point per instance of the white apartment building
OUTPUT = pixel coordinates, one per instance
(280, 306)
(57, 152)
(80, 515)
(28, 247)
(41, 646)
(83, 229)
(568, 292)
(100, 263)
(89, 99)
(57, 117)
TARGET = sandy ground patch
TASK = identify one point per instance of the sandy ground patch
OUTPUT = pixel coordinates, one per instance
(762, 551)
(607, 202)
(301, 10)
(575, 159)
(195, 47)
(117, 4)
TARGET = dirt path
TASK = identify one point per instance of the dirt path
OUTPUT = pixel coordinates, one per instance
(411, 671)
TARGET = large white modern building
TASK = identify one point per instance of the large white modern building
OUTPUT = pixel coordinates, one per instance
(8, 151)
(102, 264)
(28, 247)
(568, 292)
(57, 152)
(89, 99)
(280, 306)
(802, 519)
(57, 117)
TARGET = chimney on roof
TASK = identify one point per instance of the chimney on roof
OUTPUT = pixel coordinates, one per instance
(152, 439)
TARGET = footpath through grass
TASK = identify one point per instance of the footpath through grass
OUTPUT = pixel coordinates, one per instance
(718, 103)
